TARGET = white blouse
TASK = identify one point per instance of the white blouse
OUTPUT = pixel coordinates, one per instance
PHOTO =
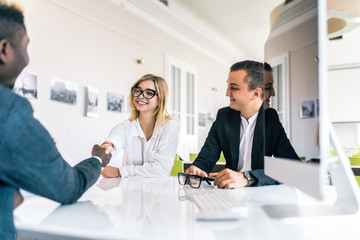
(141, 157)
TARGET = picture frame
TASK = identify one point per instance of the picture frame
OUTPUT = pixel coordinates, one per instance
(307, 109)
(115, 102)
(63, 91)
(26, 85)
(202, 119)
(92, 102)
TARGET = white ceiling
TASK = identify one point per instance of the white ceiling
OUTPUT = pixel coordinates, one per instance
(244, 23)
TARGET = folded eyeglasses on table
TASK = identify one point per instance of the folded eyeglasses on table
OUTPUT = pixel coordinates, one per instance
(193, 180)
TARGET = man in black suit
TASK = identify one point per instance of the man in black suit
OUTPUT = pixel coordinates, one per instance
(239, 133)
(268, 85)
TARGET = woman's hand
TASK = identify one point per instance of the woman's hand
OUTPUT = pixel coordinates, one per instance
(110, 172)
(108, 146)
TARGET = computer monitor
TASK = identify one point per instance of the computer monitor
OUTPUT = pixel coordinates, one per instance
(297, 48)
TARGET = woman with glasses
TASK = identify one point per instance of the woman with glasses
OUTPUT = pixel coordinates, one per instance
(149, 138)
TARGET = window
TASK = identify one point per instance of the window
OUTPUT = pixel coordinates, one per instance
(183, 105)
(280, 101)
(190, 102)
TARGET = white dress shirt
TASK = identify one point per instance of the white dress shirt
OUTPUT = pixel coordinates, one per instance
(141, 157)
(247, 130)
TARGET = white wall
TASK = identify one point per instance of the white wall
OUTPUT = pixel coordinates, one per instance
(344, 90)
(97, 43)
(344, 85)
(345, 51)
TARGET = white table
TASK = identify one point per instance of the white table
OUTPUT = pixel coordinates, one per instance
(151, 208)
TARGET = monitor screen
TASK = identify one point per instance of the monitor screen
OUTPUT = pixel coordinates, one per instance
(296, 49)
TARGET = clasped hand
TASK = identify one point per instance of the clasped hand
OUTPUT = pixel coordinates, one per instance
(101, 153)
(109, 171)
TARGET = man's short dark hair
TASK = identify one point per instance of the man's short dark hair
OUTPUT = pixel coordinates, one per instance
(255, 73)
(248, 66)
(267, 67)
(11, 21)
(255, 79)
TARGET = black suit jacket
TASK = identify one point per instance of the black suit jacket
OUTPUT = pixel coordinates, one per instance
(224, 136)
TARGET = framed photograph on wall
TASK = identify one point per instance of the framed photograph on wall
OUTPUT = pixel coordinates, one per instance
(115, 102)
(92, 99)
(63, 91)
(202, 119)
(26, 85)
(307, 109)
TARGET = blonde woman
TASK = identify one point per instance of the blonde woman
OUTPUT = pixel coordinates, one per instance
(149, 138)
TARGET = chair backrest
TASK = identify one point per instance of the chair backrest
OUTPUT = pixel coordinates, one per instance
(222, 158)
(193, 156)
(355, 161)
(177, 167)
(217, 167)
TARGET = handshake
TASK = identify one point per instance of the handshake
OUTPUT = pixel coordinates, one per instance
(101, 152)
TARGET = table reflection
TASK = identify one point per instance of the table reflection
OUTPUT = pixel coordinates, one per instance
(146, 205)
(79, 215)
(107, 184)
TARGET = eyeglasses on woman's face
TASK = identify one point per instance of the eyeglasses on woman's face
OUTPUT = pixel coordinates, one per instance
(193, 180)
(147, 93)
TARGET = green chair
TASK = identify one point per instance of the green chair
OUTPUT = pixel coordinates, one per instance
(355, 161)
(358, 179)
(222, 158)
(177, 167)
(193, 156)
(357, 155)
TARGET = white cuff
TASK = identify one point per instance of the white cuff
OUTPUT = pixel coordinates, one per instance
(123, 172)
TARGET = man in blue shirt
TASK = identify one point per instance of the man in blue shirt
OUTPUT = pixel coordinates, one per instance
(29, 158)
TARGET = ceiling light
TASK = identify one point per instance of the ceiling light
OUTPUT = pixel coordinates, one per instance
(343, 16)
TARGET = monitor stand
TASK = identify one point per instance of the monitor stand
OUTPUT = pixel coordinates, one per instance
(343, 183)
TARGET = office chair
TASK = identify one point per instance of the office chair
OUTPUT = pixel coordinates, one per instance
(177, 167)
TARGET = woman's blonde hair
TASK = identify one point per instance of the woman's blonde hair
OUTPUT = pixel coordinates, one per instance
(161, 114)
